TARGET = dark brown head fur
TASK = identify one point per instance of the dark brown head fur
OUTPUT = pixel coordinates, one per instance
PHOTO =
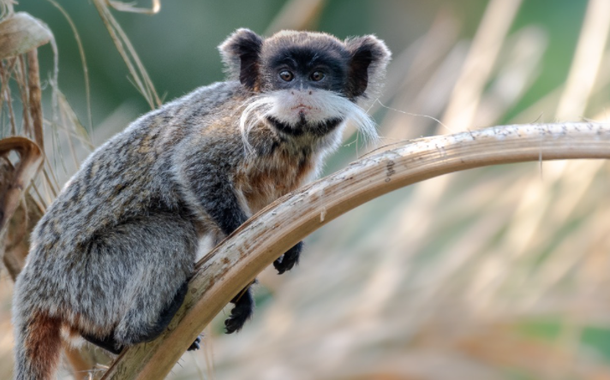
(354, 63)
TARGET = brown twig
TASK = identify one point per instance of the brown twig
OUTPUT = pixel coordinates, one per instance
(5, 92)
(22, 81)
(263, 238)
(35, 97)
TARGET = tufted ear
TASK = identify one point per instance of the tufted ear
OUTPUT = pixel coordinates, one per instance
(240, 53)
(369, 57)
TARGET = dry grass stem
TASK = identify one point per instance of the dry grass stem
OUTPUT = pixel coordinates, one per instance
(129, 55)
(124, 7)
(5, 73)
(83, 59)
(35, 100)
(587, 60)
(481, 59)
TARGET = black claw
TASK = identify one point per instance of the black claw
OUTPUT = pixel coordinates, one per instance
(196, 344)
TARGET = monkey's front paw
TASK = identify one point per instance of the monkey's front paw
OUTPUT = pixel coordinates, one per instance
(243, 310)
(238, 318)
(289, 259)
(196, 344)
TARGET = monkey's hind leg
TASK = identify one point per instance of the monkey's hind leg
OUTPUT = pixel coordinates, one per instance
(166, 317)
(143, 324)
(148, 283)
(109, 342)
(243, 310)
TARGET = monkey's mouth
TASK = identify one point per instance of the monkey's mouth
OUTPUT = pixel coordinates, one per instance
(302, 126)
(302, 107)
(302, 110)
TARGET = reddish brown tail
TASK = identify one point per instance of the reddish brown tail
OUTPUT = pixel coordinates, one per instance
(38, 345)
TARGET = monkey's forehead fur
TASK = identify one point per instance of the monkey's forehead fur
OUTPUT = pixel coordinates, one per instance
(320, 43)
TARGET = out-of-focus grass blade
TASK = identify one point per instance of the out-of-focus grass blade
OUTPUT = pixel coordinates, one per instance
(129, 55)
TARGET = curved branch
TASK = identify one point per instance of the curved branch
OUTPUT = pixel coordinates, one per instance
(30, 160)
(264, 237)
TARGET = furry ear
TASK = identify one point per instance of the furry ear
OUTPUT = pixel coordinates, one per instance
(240, 53)
(369, 57)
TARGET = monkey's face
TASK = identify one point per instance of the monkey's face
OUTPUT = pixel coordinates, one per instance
(306, 78)
(305, 83)
(304, 61)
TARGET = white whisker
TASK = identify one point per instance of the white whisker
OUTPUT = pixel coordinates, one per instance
(326, 105)
(256, 110)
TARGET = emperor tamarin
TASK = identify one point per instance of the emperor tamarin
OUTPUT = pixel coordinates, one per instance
(111, 258)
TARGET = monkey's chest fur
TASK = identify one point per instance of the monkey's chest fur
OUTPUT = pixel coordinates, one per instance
(261, 180)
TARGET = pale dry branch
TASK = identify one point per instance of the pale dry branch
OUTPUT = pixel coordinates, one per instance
(238, 259)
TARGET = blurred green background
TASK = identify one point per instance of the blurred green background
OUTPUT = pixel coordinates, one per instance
(178, 45)
(495, 273)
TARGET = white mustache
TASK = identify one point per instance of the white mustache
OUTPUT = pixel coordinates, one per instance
(321, 105)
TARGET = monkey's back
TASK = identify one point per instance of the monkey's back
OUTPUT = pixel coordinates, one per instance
(127, 192)
(131, 175)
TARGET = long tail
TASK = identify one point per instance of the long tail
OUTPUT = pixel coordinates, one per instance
(37, 348)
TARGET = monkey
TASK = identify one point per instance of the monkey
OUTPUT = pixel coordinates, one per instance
(111, 258)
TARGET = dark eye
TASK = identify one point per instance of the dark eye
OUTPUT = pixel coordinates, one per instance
(317, 76)
(286, 75)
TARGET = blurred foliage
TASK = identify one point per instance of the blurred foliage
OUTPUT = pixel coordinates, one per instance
(496, 273)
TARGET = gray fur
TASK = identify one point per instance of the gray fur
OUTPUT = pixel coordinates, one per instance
(119, 241)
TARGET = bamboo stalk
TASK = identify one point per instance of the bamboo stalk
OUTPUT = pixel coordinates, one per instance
(264, 237)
